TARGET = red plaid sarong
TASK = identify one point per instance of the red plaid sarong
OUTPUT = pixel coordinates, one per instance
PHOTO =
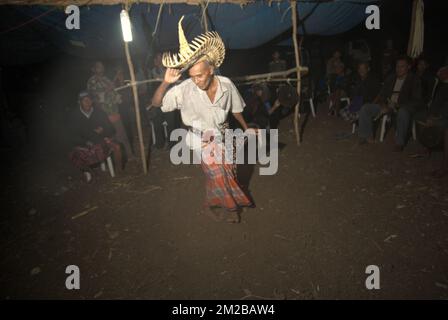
(222, 188)
(84, 157)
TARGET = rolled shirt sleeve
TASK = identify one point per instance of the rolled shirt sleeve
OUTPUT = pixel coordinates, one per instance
(172, 99)
(237, 102)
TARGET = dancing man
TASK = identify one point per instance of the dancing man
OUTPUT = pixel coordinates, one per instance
(205, 101)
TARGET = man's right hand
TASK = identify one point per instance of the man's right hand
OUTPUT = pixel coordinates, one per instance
(171, 75)
(385, 109)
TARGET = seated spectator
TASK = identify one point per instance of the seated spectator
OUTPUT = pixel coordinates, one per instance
(334, 65)
(258, 106)
(365, 89)
(171, 119)
(92, 137)
(102, 92)
(426, 77)
(338, 88)
(389, 56)
(126, 106)
(277, 64)
(400, 95)
(432, 124)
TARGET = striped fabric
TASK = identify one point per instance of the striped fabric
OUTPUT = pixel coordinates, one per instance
(222, 188)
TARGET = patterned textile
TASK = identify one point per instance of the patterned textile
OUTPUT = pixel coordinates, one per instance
(84, 157)
(222, 188)
(347, 115)
(101, 88)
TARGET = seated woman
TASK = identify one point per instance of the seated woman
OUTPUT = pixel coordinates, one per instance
(92, 137)
(365, 89)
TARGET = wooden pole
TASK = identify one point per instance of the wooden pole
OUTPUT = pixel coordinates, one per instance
(137, 108)
(296, 52)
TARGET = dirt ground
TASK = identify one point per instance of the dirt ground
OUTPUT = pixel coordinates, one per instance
(332, 209)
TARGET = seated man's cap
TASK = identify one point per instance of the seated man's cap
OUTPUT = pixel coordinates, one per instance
(83, 94)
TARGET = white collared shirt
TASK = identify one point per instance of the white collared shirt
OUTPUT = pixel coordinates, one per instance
(197, 110)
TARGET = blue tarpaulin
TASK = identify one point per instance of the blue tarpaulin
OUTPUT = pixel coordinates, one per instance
(241, 27)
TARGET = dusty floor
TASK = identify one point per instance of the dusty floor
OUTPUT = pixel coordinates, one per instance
(332, 209)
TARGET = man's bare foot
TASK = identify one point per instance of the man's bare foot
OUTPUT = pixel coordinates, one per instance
(209, 212)
(233, 217)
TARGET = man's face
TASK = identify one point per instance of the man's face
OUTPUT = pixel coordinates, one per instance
(86, 104)
(98, 68)
(158, 60)
(120, 75)
(421, 66)
(276, 55)
(201, 74)
(401, 68)
(363, 70)
(337, 54)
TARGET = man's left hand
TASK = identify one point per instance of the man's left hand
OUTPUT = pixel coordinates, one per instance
(253, 131)
(99, 130)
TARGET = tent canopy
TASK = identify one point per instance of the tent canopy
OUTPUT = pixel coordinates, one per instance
(241, 23)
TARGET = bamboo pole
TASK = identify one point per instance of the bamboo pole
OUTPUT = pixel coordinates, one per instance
(270, 75)
(266, 77)
(296, 52)
(137, 108)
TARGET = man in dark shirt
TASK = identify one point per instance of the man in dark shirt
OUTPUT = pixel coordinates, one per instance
(401, 94)
(364, 90)
(426, 77)
(432, 124)
(92, 136)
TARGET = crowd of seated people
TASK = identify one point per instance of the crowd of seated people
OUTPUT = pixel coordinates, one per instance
(400, 97)
(410, 95)
(406, 97)
(112, 114)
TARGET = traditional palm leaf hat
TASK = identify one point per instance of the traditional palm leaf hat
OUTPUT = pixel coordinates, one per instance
(206, 46)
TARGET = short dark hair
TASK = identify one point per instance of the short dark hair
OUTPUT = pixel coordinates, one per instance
(366, 63)
(405, 58)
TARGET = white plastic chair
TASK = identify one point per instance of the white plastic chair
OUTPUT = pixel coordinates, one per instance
(313, 111)
(354, 127)
(110, 165)
(387, 118)
(153, 131)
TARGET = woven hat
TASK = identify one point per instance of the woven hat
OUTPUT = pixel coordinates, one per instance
(206, 46)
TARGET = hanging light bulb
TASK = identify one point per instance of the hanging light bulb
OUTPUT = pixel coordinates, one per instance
(126, 26)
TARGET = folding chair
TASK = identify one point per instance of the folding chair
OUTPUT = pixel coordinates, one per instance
(153, 131)
(110, 165)
(387, 118)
